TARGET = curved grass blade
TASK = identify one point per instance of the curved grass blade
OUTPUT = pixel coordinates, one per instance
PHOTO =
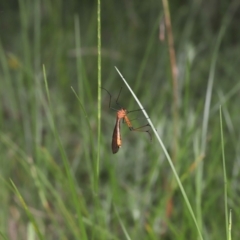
(166, 154)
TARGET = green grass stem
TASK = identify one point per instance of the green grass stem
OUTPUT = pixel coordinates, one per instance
(166, 154)
(66, 164)
(224, 174)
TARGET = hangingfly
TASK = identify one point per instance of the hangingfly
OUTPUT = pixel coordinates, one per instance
(122, 115)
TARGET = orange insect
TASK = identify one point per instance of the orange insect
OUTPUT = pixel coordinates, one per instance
(122, 115)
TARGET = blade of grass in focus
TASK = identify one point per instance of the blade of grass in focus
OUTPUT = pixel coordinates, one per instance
(166, 154)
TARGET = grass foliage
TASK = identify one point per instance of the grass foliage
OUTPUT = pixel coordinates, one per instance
(58, 176)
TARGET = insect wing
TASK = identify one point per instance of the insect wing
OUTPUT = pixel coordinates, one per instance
(116, 137)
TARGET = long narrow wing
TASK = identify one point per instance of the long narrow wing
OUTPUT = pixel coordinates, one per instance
(116, 137)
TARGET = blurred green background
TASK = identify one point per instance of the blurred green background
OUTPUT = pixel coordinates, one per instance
(49, 148)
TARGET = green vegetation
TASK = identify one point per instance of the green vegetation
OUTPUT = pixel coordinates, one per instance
(58, 176)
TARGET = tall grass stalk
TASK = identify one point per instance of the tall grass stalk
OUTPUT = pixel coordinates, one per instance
(230, 225)
(226, 20)
(174, 73)
(99, 92)
(70, 178)
(30, 215)
(122, 225)
(166, 154)
(224, 173)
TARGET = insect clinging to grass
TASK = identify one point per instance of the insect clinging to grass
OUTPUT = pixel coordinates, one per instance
(122, 115)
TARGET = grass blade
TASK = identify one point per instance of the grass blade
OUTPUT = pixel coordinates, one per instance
(166, 154)
(30, 216)
(230, 225)
(224, 172)
(122, 225)
(66, 164)
(99, 91)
